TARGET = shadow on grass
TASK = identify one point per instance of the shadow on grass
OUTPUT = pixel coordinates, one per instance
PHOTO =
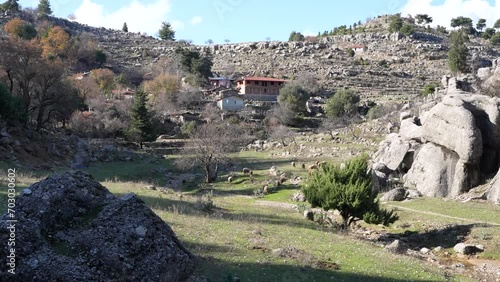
(194, 209)
(221, 270)
(446, 237)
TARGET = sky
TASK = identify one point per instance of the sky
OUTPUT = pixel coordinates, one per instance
(257, 20)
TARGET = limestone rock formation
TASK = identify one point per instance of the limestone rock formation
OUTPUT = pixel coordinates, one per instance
(451, 148)
(70, 228)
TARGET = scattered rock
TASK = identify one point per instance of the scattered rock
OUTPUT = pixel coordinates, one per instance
(309, 215)
(299, 197)
(395, 195)
(465, 249)
(396, 247)
(425, 251)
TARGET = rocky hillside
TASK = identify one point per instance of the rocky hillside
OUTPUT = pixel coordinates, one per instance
(393, 65)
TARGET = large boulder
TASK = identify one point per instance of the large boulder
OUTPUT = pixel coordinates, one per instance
(392, 151)
(493, 193)
(71, 228)
(451, 125)
(439, 172)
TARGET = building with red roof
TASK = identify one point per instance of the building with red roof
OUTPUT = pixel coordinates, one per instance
(254, 85)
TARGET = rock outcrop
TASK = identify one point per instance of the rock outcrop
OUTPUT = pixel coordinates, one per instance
(449, 149)
(70, 228)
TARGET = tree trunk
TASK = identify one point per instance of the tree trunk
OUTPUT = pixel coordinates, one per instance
(207, 173)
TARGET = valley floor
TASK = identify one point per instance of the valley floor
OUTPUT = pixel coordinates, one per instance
(240, 237)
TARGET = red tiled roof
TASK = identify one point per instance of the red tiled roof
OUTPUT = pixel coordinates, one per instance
(256, 78)
(87, 114)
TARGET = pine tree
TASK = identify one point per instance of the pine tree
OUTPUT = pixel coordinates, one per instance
(348, 190)
(457, 56)
(166, 32)
(125, 27)
(11, 6)
(44, 9)
(141, 128)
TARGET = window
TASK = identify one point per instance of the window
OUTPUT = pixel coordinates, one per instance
(265, 90)
(235, 102)
(272, 82)
(256, 83)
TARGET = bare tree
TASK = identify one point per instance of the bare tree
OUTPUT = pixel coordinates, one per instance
(332, 124)
(210, 147)
(282, 133)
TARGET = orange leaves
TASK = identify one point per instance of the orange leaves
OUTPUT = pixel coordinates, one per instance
(56, 43)
(20, 28)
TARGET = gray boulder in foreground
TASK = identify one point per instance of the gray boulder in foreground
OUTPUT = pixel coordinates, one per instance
(71, 228)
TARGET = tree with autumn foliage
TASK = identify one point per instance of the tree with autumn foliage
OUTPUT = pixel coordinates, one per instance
(56, 43)
(105, 78)
(20, 28)
(40, 84)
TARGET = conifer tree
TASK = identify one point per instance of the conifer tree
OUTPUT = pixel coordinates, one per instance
(125, 27)
(457, 55)
(349, 190)
(141, 128)
(11, 6)
(44, 9)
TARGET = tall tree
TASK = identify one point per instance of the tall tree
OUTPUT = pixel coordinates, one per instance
(497, 24)
(395, 23)
(296, 36)
(295, 96)
(342, 103)
(44, 9)
(11, 6)
(125, 27)
(457, 55)
(141, 129)
(348, 190)
(210, 147)
(423, 19)
(481, 23)
(166, 32)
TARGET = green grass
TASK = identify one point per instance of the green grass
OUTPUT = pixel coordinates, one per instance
(474, 211)
(238, 236)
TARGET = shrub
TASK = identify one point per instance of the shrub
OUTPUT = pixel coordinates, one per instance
(429, 89)
(11, 107)
(343, 102)
(348, 190)
(188, 128)
(407, 29)
(383, 63)
(351, 52)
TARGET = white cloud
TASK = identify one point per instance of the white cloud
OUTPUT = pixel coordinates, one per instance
(442, 14)
(177, 25)
(138, 16)
(196, 20)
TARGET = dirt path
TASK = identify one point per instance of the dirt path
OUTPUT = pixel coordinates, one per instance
(443, 215)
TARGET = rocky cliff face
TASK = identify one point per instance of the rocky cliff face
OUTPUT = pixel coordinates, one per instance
(449, 149)
(70, 228)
